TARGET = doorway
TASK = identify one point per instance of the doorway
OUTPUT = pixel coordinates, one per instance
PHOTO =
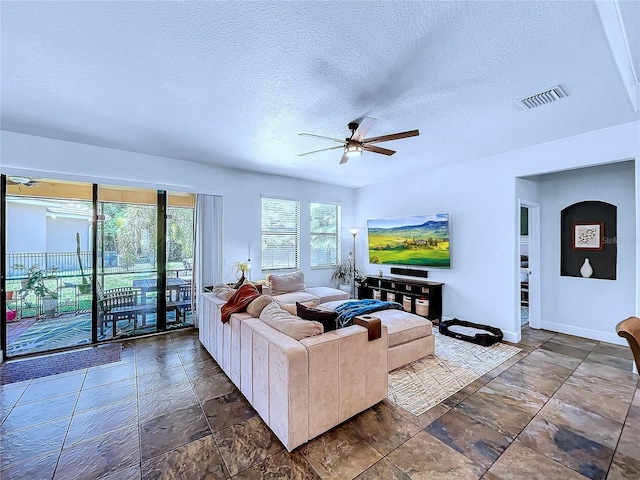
(529, 264)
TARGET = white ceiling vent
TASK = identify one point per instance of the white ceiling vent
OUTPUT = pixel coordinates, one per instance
(542, 98)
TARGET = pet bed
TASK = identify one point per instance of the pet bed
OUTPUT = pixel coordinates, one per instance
(471, 332)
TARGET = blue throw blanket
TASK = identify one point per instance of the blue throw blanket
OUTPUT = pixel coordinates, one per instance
(349, 310)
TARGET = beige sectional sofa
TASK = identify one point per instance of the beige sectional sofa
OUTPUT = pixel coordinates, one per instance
(299, 388)
(302, 388)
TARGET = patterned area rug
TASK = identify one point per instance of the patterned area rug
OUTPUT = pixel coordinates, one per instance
(51, 333)
(28, 369)
(423, 384)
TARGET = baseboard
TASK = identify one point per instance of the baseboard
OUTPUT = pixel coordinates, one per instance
(513, 337)
(583, 332)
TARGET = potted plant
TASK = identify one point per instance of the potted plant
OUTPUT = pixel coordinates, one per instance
(240, 269)
(342, 275)
(35, 283)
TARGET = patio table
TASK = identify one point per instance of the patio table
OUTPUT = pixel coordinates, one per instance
(146, 284)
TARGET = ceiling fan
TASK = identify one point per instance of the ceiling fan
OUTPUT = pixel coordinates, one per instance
(356, 143)
(20, 180)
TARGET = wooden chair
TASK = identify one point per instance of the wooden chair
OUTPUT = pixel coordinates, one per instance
(182, 303)
(118, 304)
(630, 329)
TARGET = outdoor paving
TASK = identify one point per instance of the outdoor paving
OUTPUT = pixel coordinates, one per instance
(31, 335)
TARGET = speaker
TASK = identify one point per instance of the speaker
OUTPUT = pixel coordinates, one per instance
(410, 272)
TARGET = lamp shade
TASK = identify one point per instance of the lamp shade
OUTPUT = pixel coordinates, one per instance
(352, 150)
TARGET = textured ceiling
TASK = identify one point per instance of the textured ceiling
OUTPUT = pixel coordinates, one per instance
(233, 83)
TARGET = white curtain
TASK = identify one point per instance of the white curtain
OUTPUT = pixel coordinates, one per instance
(208, 245)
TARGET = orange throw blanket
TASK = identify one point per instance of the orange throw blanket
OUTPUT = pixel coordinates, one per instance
(239, 301)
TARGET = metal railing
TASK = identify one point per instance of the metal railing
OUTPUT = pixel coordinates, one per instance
(62, 261)
(66, 263)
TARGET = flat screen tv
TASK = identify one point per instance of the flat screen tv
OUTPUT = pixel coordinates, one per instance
(421, 240)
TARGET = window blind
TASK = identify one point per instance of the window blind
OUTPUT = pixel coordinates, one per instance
(324, 234)
(280, 234)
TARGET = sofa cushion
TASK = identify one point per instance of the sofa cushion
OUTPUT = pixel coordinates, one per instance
(293, 309)
(331, 305)
(294, 297)
(328, 294)
(288, 282)
(256, 306)
(223, 291)
(327, 319)
(289, 324)
(404, 326)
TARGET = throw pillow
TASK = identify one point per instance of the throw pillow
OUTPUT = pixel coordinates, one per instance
(256, 306)
(223, 291)
(326, 318)
(289, 324)
(288, 282)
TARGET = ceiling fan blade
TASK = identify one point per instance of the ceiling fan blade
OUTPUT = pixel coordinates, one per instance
(344, 159)
(321, 150)
(393, 136)
(374, 149)
(341, 140)
(364, 126)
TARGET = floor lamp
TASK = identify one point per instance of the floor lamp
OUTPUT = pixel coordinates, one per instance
(354, 231)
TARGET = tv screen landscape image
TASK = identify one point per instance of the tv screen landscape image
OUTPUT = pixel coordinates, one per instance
(421, 240)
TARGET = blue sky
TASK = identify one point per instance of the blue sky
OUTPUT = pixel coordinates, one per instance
(404, 221)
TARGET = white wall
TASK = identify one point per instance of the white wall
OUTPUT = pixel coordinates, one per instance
(48, 158)
(61, 234)
(527, 190)
(481, 197)
(26, 228)
(588, 307)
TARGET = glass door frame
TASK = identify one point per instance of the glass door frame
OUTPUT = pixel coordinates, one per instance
(161, 262)
(3, 266)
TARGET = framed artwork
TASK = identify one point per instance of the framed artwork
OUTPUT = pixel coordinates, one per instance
(588, 236)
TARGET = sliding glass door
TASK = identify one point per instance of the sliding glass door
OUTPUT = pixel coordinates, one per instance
(87, 263)
(48, 261)
(127, 262)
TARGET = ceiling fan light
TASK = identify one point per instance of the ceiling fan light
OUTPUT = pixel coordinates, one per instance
(19, 179)
(352, 150)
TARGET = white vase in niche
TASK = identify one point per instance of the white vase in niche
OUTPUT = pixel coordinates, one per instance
(585, 270)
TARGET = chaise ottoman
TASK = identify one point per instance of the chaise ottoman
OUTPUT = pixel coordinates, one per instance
(410, 336)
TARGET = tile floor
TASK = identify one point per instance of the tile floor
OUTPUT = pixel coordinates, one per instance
(563, 408)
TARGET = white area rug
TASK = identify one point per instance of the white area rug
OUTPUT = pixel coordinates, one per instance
(423, 384)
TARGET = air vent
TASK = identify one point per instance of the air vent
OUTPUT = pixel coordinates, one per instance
(542, 98)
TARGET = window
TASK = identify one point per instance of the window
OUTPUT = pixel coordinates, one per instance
(324, 234)
(280, 234)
